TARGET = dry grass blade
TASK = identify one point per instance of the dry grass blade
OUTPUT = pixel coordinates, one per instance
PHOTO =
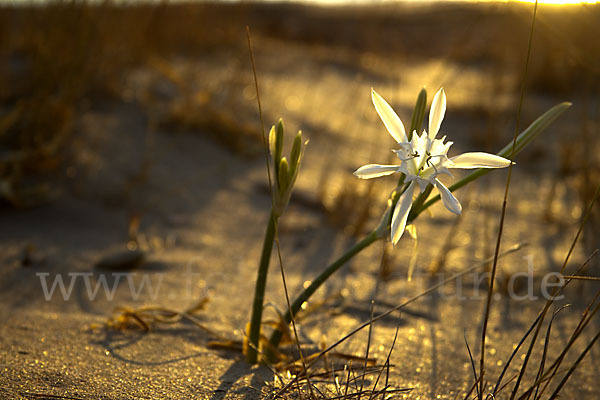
(334, 379)
(348, 372)
(472, 362)
(514, 353)
(554, 292)
(475, 384)
(386, 365)
(287, 298)
(533, 325)
(546, 343)
(583, 278)
(574, 366)
(362, 383)
(352, 389)
(503, 213)
(273, 206)
(552, 370)
(513, 249)
(506, 384)
(147, 316)
(358, 394)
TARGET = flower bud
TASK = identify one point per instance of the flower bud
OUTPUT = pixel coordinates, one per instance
(283, 178)
(273, 144)
(276, 144)
(295, 155)
(278, 140)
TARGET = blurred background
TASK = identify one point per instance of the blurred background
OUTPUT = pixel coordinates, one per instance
(70, 71)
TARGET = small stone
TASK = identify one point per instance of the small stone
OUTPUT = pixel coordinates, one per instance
(122, 260)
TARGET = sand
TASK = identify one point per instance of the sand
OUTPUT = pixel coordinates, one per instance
(203, 210)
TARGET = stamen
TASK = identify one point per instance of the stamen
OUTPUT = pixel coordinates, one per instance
(431, 164)
(410, 156)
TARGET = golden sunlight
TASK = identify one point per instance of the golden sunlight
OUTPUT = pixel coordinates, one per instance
(560, 2)
(349, 2)
(545, 2)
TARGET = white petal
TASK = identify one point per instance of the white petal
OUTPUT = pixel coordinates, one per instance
(401, 214)
(478, 160)
(448, 198)
(390, 119)
(438, 147)
(422, 184)
(375, 170)
(436, 113)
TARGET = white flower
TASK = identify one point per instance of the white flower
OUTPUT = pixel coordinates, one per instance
(422, 158)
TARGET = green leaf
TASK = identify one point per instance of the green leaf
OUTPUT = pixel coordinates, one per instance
(418, 114)
(523, 140)
(534, 130)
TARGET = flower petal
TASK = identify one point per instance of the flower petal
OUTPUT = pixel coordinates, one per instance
(401, 214)
(448, 198)
(375, 170)
(423, 183)
(436, 113)
(478, 160)
(390, 119)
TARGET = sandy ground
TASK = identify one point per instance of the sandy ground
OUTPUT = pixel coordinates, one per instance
(203, 210)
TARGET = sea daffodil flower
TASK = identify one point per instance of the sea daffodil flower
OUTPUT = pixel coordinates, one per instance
(422, 158)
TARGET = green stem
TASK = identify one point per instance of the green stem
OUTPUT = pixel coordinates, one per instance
(259, 291)
(304, 296)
